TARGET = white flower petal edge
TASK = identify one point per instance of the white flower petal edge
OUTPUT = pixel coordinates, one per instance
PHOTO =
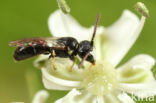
(140, 90)
(143, 61)
(137, 77)
(64, 25)
(125, 98)
(122, 35)
(55, 83)
(76, 96)
(40, 97)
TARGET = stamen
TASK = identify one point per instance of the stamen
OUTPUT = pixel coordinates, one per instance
(142, 9)
(63, 6)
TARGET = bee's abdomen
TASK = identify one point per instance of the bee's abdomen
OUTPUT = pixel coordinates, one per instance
(22, 53)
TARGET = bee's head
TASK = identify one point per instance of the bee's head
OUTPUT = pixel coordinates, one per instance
(83, 49)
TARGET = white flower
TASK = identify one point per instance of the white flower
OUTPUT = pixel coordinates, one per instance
(40, 96)
(105, 82)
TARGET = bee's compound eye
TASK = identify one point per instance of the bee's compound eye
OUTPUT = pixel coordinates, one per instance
(90, 58)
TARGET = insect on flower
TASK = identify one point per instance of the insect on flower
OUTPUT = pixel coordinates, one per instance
(63, 47)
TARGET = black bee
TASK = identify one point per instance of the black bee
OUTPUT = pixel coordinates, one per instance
(63, 47)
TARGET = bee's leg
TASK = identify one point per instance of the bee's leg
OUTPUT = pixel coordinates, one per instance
(53, 59)
(74, 61)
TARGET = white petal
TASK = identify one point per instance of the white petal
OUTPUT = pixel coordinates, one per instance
(121, 36)
(125, 98)
(83, 96)
(136, 76)
(56, 83)
(40, 97)
(61, 78)
(76, 96)
(137, 70)
(62, 25)
(143, 61)
(141, 90)
(117, 97)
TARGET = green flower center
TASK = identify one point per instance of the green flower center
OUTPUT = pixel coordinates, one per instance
(100, 79)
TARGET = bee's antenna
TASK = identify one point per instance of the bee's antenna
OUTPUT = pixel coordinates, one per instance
(79, 66)
(95, 28)
(92, 40)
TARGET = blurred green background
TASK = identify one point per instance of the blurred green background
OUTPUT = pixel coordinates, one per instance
(28, 18)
